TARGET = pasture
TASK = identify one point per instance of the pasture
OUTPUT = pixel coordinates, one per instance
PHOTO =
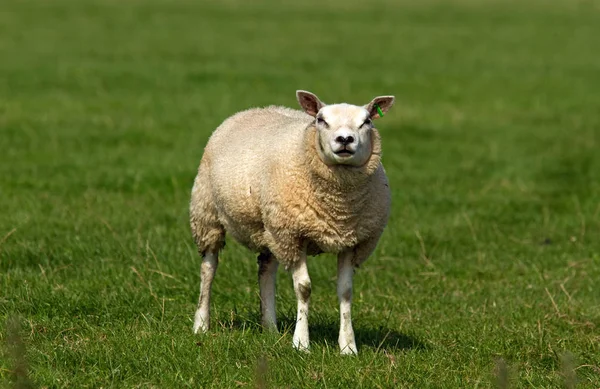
(487, 274)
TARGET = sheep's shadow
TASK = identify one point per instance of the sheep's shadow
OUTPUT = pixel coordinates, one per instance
(325, 330)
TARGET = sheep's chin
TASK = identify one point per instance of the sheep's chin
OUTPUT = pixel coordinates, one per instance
(329, 158)
(348, 159)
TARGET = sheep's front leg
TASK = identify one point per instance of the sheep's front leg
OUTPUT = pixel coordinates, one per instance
(267, 275)
(302, 289)
(344, 291)
(210, 261)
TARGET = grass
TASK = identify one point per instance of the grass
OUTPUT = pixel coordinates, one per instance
(486, 275)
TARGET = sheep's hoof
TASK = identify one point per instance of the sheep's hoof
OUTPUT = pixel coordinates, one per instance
(201, 324)
(270, 327)
(349, 349)
(302, 348)
(200, 328)
(301, 345)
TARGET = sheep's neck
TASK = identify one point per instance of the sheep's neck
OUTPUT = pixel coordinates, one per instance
(340, 177)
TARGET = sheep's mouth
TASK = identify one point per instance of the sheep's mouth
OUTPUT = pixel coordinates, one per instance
(344, 153)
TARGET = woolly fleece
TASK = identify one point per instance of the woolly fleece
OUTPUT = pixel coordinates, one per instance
(262, 181)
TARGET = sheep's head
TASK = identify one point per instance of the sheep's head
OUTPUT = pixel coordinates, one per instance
(344, 130)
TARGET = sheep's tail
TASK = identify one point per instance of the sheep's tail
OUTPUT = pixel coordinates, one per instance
(207, 230)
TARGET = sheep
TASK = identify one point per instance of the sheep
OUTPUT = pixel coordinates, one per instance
(288, 184)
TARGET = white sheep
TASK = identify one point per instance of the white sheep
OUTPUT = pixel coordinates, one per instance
(288, 184)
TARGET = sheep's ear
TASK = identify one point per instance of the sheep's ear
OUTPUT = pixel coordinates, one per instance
(309, 102)
(383, 102)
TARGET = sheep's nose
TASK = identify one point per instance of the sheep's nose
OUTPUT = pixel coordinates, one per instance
(345, 140)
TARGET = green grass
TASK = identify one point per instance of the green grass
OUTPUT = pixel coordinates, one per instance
(492, 150)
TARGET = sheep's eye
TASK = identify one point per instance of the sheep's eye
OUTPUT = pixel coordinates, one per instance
(321, 121)
(366, 123)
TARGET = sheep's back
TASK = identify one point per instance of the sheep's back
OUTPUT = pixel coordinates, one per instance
(249, 141)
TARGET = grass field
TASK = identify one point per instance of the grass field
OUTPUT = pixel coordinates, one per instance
(490, 262)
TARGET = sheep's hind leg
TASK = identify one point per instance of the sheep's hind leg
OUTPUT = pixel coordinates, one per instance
(267, 275)
(209, 236)
(302, 289)
(344, 291)
(210, 262)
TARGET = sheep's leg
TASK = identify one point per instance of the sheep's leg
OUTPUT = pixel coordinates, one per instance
(302, 289)
(210, 261)
(344, 291)
(267, 274)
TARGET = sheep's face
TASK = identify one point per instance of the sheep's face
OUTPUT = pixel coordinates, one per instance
(344, 130)
(344, 133)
